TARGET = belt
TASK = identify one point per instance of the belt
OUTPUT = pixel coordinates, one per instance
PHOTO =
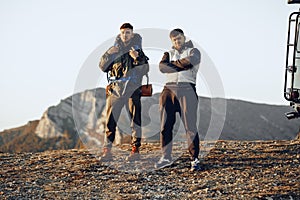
(181, 84)
(122, 79)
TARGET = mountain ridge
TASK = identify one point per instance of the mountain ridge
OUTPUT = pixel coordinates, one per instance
(79, 120)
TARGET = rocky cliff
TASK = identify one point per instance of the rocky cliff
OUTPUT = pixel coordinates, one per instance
(80, 120)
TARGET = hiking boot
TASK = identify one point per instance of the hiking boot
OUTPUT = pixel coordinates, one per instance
(163, 162)
(107, 155)
(195, 165)
(134, 154)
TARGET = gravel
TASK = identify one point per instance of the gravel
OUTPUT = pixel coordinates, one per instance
(230, 170)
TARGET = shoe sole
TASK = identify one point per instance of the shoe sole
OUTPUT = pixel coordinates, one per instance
(196, 169)
(163, 166)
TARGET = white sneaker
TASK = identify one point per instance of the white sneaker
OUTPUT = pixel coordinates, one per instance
(163, 162)
(195, 165)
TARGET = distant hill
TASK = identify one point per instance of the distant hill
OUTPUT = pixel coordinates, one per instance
(24, 139)
(56, 129)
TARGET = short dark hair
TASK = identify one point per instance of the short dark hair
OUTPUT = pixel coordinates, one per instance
(126, 25)
(176, 32)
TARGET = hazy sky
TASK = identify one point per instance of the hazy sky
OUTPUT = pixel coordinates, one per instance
(44, 44)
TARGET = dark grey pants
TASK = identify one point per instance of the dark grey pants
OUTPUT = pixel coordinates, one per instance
(180, 98)
(115, 101)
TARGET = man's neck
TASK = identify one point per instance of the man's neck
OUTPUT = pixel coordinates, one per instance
(126, 43)
(181, 48)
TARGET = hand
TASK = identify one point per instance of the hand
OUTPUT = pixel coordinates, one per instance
(113, 50)
(133, 53)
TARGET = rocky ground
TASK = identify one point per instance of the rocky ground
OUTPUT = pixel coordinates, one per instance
(231, 170)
